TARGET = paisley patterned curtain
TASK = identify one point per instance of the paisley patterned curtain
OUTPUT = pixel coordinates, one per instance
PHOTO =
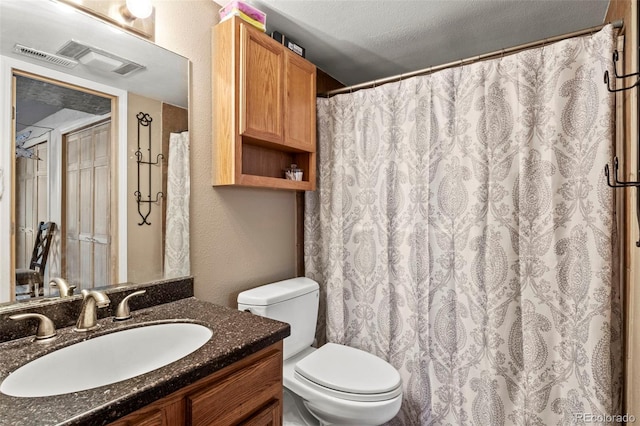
(462, 230)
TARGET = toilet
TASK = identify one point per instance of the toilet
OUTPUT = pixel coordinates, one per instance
(332, 385)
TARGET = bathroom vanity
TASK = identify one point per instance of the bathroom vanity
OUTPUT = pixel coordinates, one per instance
(248, 392)
(234, 378)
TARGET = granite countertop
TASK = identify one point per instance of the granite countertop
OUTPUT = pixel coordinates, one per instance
(235, 335)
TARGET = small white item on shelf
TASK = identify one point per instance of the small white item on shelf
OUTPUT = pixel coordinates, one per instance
(293, 173)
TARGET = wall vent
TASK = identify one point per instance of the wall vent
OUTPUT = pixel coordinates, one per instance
(127, 68)
(76, 50)
(44, 56)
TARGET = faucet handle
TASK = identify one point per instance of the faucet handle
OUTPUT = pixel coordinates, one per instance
(64, 288)
(122, 311)
(45, 330)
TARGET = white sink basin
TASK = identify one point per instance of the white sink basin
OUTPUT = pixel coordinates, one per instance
(105, 359)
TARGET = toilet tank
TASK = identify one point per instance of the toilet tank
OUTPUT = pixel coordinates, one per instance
(294, 301)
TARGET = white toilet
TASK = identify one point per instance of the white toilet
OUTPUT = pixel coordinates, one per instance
(336, 384)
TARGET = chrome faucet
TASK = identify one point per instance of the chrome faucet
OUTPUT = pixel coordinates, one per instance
(64, 288)
(92, 299)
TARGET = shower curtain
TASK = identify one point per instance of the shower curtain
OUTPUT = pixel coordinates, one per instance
(176, 249)
(463, 230)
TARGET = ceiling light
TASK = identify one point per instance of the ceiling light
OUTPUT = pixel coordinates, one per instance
(99, 61)
(140, 9)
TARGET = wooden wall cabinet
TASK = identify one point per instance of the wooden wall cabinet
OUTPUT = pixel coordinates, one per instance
(248, 392)
(264, 110)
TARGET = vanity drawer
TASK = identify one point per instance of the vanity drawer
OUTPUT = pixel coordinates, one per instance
(249, 390)
(270, 415)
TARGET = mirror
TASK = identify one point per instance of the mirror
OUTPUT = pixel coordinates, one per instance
(76, 81)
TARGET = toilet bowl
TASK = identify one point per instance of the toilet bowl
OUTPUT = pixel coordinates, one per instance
(363, 396)
(331, 385)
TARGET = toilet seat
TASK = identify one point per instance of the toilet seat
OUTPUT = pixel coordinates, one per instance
(349, 373)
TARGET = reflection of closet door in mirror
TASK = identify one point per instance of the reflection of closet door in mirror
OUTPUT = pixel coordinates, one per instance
(86, 219)
(31, 202)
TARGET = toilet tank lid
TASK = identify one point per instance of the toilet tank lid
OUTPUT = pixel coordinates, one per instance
(277, 292)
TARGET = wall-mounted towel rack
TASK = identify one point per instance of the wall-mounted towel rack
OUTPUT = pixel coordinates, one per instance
(617, 183)
(144, 120)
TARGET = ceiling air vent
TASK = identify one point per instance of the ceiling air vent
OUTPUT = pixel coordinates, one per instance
(44, 56)
(73, 49)
(98, 59)
(127, 68)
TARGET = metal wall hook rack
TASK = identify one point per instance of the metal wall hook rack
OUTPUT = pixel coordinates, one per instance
(617, 183)
(607, 81)
(144, 120)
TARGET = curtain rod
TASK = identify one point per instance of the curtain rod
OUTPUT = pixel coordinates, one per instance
(398, 77)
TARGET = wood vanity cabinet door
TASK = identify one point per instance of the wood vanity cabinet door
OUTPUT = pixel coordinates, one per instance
(261, 89)
(300, 103)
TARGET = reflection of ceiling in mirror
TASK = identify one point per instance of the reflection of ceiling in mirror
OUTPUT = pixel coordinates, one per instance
(37, 99)
(47, 26)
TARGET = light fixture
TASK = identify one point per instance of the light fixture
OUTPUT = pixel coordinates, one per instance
(99, 61)
(136, 9)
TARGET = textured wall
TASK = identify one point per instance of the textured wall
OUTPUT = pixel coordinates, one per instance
(240, 237)
(144, 243)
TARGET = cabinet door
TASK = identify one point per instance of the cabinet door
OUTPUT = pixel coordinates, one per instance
(300, 103)
(261, 89)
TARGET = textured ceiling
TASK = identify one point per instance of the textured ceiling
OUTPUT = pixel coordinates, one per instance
(357, 41)
(37, 99)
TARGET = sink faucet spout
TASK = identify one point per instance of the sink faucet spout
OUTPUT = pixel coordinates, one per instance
(92, 300)
(65, 289)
